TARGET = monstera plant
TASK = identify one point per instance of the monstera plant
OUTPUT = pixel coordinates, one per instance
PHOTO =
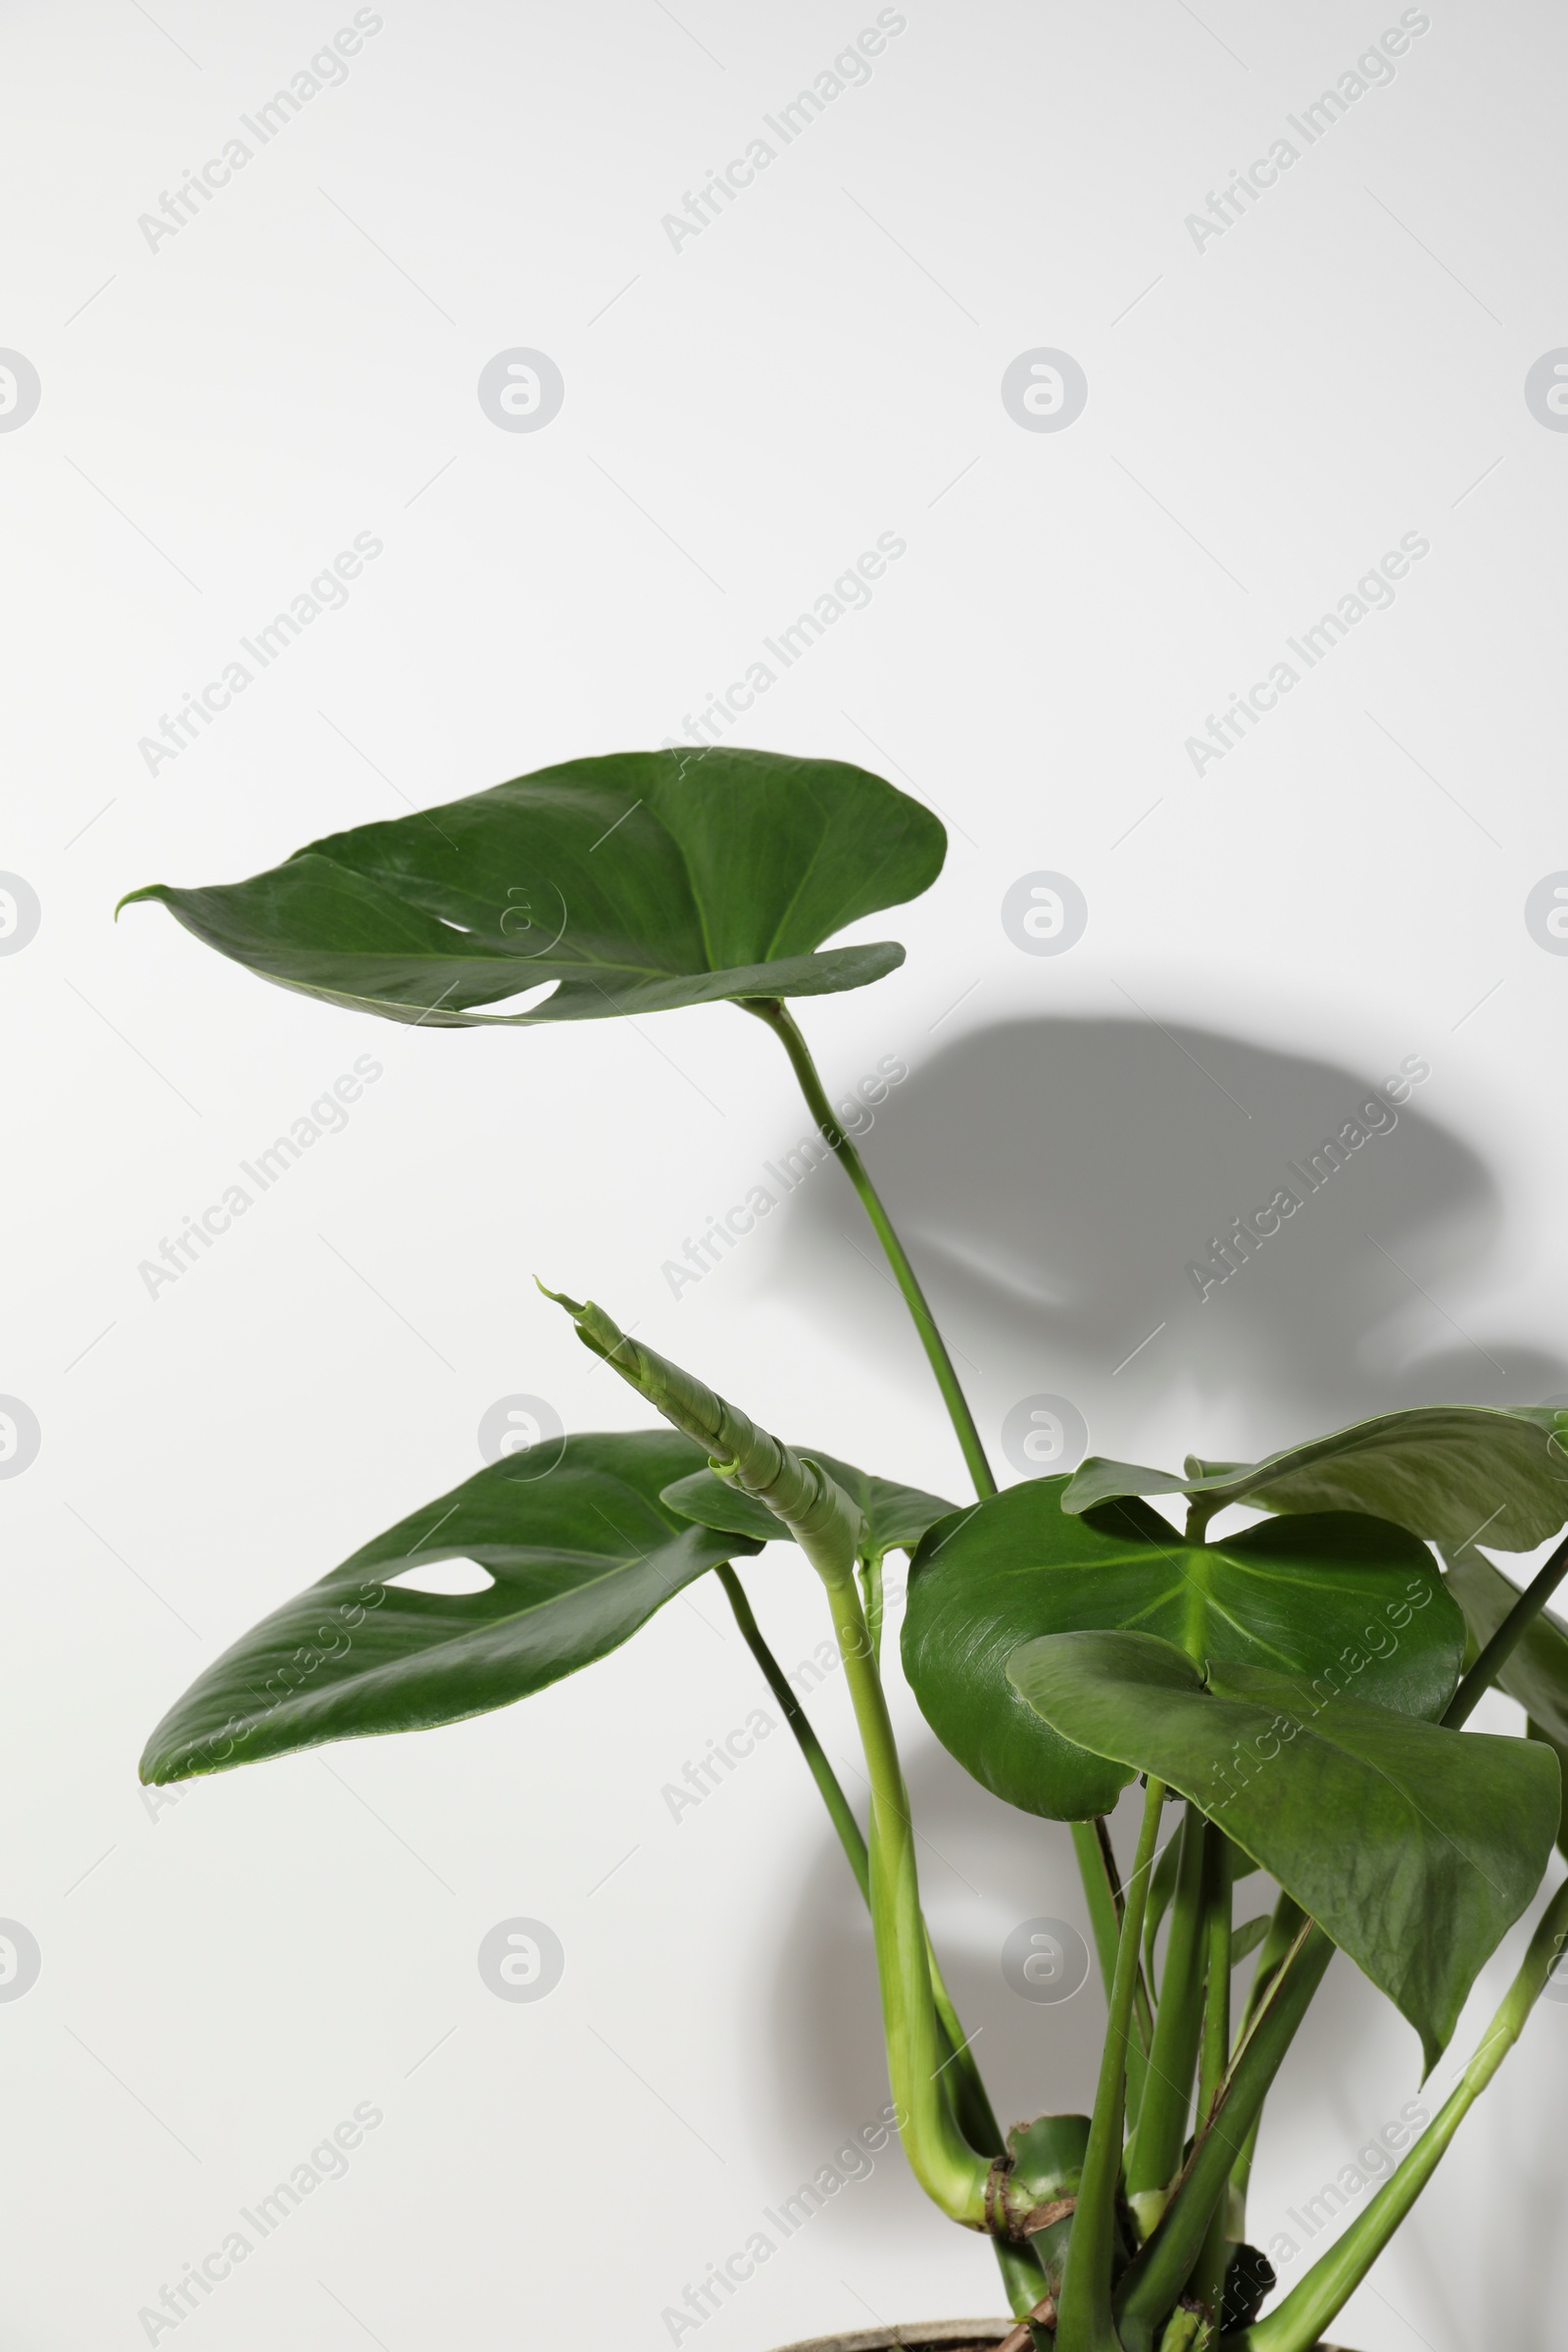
(1291, 1695)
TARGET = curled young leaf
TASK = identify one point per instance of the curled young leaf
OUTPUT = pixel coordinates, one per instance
(893, 1517)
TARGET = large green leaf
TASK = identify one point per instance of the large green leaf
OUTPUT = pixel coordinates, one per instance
(581, 1556)
(637, 882)
(1448, 1472)
(1537, 1672)
(1308, 1594)
(893, 1517)
(1415, 1849)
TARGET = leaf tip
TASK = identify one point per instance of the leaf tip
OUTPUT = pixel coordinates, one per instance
(148, 890)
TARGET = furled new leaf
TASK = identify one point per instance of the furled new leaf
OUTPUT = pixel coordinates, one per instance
(1415, 1849)
(1333, 1594)
(1444, 1471)
(580, 1556)
(636, 882)
(893, 1517)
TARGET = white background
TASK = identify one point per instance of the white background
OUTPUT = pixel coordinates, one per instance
(225, 1979)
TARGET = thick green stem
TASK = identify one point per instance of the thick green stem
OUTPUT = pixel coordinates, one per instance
(1298, 2322)
(828, 1526)
(1104, 1897)
(1021, 2275)
(1158, 2277)
(781, 1021)
(1207, 2286)
(974, 2110)
(947, 2167)
(1096, 1865)
(871, 1594)
(1509, 1633)
(1156, 2155)
(1283, 1930)
(1084, 2322)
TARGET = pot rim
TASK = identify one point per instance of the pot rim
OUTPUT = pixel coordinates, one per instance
(936, 2334)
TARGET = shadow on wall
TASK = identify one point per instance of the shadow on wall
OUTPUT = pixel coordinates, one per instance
(1055, 1181)
(1058, 1182)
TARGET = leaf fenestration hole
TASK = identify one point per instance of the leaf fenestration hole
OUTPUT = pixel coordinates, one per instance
(448, 1577)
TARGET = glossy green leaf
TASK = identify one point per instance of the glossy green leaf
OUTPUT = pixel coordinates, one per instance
(1305, 1595)
(1448, 1472)
(1537, 1672)
(581, 1554)
(893, 1517)
(1415, 1849)
(636, 882)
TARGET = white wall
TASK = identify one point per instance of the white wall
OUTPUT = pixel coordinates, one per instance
(224, 409)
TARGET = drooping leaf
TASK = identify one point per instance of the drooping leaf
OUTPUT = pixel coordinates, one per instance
(581, 1556)
(1415, 1849)
(1303, 1595)
(1537, 1672)
(1448, 1472)
(637, 882)
(893, 1517)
